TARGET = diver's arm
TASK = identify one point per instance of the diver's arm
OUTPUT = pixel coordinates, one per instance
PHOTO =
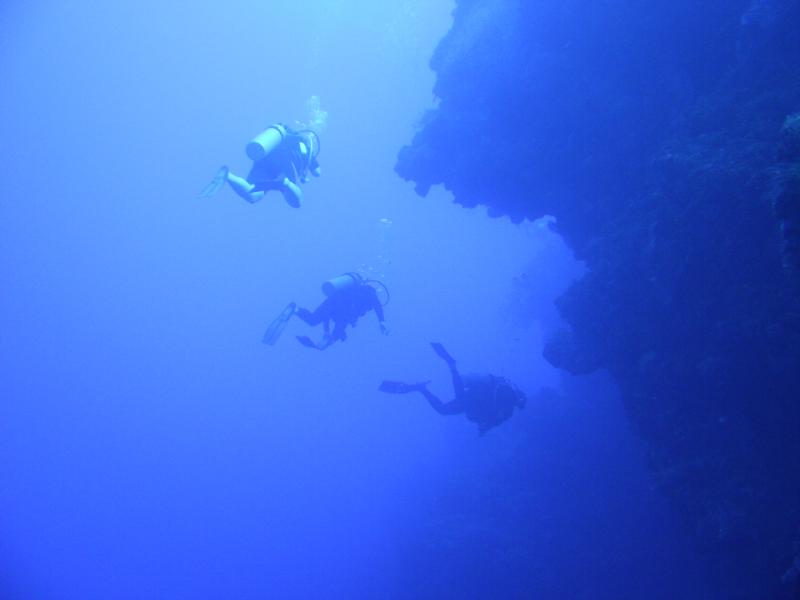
(379, 312)
(382, 324)
(307, 316)
(339, 331)
(313, 166)
(376, 306)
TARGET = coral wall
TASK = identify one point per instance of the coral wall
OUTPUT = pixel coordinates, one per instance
(664, 136)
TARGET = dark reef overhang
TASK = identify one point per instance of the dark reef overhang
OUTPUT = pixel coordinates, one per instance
(665, 138)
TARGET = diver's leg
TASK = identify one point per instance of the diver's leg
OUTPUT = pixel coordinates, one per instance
(442, 353)
(458, 384)
(308, 317)
(314, 319)
(244, 188)
(338, 334)
(321, 314)
(454, 407)
(291, 193)
(307, 342)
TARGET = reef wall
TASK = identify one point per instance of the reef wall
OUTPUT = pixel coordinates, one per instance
(664, 136)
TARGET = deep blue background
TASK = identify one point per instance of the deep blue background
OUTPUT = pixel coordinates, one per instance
(152, 447)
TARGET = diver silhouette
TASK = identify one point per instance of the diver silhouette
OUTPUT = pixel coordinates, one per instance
(348, 298)
(282, 159)
(485, 399)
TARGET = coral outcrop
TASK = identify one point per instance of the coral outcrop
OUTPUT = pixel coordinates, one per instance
(665, 139)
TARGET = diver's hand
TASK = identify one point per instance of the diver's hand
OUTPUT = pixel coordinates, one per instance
(384, 329)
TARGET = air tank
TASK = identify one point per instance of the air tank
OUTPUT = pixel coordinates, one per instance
(265, 142)
(340, 283)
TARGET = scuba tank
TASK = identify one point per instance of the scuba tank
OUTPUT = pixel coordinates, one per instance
(351, 280)
(341, 283)
(265, 142)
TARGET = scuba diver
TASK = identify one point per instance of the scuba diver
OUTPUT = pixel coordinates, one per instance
(349, 297)
(282, 159)
(487, 400)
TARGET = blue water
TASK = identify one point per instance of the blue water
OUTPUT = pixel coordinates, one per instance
(152, 447)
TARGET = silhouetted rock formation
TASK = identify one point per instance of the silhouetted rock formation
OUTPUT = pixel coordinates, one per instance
(664, 136)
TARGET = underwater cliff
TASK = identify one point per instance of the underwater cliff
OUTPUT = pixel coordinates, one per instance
(664, 137)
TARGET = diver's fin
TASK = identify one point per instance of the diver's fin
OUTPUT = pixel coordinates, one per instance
(443, 354)
(276, 328)
(307, 342)
(398, 387)
(216, 184)
(393, 387)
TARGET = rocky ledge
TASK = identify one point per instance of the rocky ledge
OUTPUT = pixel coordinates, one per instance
(664, 137)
